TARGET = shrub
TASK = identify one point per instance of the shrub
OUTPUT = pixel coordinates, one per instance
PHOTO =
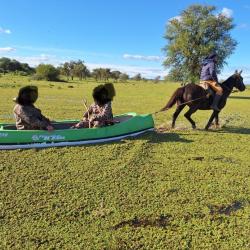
(47, 72)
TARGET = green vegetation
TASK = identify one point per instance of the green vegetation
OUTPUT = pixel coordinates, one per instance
(178, 189)
(47, 72)
(193, 35)
(11, 65)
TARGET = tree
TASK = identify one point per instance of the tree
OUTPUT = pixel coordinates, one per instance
(5, 64)
(80, 70)
(137, 77)
(115, 74)
(12, 65)
(101, 74)
(123, 77)
(197, 32)
(157, 79)
(65, 70)
(74, 68)
(47, 72)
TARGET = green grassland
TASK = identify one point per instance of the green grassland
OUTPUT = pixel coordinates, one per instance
(178, 189)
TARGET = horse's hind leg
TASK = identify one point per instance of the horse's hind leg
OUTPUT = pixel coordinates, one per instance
(176, 114)
(188, 116)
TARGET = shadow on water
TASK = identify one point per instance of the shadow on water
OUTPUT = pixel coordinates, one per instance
(156, 137)
(150, 137)
(232, 130)
(225, 209)
(240, 97)
(161, 222)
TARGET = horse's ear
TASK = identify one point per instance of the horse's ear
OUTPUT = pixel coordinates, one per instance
(236, 71)
(240, 72)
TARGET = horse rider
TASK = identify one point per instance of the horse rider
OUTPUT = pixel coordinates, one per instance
(209, 77)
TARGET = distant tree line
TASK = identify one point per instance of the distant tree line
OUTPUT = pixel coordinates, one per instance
(69, 70)
(79, 69)
(8, 65)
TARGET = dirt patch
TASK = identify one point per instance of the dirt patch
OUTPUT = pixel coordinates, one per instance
(197, 158)
(160, 222)
(225, 209)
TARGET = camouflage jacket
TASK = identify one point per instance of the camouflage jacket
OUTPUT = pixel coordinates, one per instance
(29, 118)
(99, 113)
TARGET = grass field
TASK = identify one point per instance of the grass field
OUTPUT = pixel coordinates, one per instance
(181, 189)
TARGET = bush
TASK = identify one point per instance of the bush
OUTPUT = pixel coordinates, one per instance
(36, 77)
(22, 73)
(47, 72)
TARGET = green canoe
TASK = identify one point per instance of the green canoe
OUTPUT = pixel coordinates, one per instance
(129, 124)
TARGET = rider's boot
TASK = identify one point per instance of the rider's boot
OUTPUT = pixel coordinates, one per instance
(215, 103)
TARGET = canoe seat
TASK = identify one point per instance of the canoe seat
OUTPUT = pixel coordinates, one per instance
(67, 125)
(122, 118)
(9, 127)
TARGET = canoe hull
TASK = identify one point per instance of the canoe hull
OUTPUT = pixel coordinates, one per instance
(134, 125)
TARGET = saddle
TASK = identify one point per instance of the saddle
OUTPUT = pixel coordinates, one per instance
(209, 91)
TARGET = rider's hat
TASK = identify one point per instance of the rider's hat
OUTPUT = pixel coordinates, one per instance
(211, 55)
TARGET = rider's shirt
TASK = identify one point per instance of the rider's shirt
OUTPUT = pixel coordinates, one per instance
(208, 71)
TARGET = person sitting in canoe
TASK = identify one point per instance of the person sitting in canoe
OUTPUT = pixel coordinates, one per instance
(99, 113)
(27, 116)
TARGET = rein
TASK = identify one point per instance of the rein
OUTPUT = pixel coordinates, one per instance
(184, 103)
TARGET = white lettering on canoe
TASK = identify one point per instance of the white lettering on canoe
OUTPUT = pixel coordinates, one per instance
(3, 134)
(48, 137)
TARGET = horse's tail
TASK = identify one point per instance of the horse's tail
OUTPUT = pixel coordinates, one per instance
(175, 97)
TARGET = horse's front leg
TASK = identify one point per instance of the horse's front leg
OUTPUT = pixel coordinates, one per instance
(188, 116)
(214, 114)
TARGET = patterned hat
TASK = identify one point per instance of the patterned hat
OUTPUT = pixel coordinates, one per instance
(27, 95)
(104, 93)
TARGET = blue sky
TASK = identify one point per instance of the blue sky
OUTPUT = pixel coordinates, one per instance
(124, 35)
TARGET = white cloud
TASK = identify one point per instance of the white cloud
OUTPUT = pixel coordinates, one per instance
(36, 60)
(5, 31)
(148, 72)
(6, 49)
(227, 12)
(64, 51)
(178, 18)
(141, 57)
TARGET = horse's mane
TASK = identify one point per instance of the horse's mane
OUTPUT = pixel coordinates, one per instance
(228, 82)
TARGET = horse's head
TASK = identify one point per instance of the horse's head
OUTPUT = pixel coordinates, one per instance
(238, 81)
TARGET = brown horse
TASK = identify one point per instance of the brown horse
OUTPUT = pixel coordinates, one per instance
(196, 98)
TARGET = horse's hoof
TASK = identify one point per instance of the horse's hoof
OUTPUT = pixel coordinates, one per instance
(193, 127)
(206, 128)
